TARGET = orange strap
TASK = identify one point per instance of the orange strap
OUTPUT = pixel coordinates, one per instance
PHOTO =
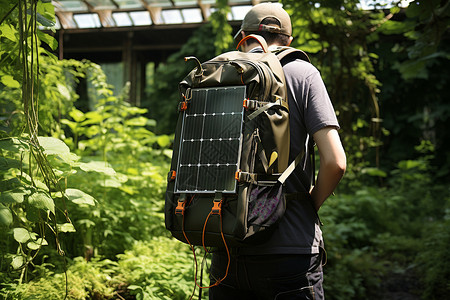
(260, 40)
(215, 210)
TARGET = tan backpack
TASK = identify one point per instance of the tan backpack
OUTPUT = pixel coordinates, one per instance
(231, 150)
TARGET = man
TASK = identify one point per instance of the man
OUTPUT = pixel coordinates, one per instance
(289, 264)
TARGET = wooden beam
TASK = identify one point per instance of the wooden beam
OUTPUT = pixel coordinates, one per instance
(155, 12)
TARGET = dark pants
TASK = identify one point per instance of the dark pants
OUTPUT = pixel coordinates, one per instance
(264, 277)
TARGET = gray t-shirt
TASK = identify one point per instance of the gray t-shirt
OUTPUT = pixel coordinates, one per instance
(310, 110)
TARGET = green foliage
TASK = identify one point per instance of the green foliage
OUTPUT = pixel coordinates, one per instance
(159, 268)
(220, 27)
(115, 140)
(32, 200)
(171, 273)
(374, 234)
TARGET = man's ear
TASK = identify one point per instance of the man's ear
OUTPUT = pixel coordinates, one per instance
(291, 38)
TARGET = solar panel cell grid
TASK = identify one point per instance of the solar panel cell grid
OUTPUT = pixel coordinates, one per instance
(211, 141)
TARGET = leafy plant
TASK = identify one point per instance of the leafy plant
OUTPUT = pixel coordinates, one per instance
(160, 268)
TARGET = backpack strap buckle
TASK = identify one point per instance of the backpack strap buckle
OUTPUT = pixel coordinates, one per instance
(217, 204)
(179, 210)
(217, 207)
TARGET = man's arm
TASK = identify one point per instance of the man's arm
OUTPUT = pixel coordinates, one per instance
(332, 164)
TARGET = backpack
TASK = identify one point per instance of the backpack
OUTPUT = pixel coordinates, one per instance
(231, 150)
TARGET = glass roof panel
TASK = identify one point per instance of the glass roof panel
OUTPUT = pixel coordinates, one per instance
(87, 20)
(122, 19)
(172, 16)
(159, 3)
(101, 4)
(192, 15)
(166, 12)
(129, 4)
(141, 18)
(230, 2)
(240, 11)
(70, 5)
(185, 2)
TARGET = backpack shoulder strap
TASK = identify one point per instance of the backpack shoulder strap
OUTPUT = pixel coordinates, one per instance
(282, 52)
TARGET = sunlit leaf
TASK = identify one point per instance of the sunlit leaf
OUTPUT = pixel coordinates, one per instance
(22, 235)
(63, 90)
(53, 146)
(35, 245)
(66, 227)
(163, 141)
(6, 217)
(168, 153)
(14, 196)
(42, 200)
(374, 172)
(98, 166)
(138, 121)
(111, 182)
(9, 81)
(80, 197)
(77, 115)
(8, 31)
(17, 262)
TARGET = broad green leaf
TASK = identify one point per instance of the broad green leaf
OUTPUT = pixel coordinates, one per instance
(163, 141)
(63, 90)
(87, 223)
(22, 235)
(66, 227)
(138, 121)
(168, 153)
(77, 115)
(8, 31)
(374, 172)
(17, 262)
(14, 196)
(53, 146)
(73, 125)
(35, 245)
(9, 81)
(42, 200)
(80, 197)
(35, 182)
(8, 163)
(6, 217)
(97, 166)
(94, 117)
(136, 110)
(110, 182)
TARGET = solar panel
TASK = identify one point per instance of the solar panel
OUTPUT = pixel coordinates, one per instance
(210, 142)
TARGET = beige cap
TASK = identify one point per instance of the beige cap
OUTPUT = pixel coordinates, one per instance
(253, 19)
